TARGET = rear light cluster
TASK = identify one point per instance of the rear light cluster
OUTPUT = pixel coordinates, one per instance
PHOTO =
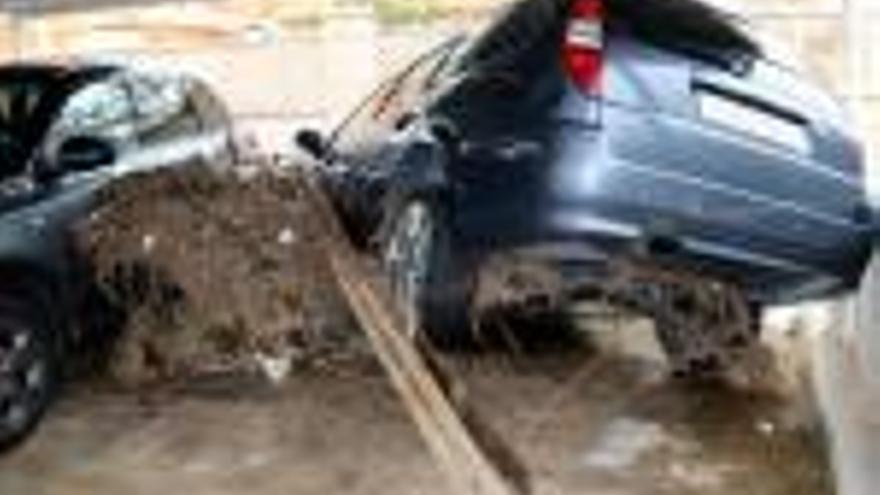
(583, 45)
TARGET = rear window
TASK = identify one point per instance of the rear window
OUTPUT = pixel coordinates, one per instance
(521, 26)
(691, 27)
(687, 26)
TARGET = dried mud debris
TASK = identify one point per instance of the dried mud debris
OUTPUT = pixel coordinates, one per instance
(200, 270)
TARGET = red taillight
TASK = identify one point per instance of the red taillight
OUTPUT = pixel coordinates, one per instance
(583, 45)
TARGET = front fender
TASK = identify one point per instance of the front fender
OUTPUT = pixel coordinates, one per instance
(37, 232)
(29, 239)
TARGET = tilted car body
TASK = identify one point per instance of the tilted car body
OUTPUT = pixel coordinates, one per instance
(580, 130)
(66, 131)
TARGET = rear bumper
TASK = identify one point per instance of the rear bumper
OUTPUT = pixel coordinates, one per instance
(581, 244)
(588, 239)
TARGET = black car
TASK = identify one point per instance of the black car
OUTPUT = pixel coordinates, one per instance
(579, 131)
(66, 131)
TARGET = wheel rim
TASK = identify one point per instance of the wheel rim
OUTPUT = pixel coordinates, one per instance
(407, 255)
(23, 378)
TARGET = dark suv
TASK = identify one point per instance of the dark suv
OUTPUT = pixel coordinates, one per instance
(66, 131)
(582, 130)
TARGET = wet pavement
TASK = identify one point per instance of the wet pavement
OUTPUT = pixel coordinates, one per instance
(620, 427)
(604, 422)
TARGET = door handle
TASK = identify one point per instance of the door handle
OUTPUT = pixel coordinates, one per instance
(504, 151)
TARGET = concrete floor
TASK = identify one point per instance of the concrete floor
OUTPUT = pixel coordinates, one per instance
(607, 423)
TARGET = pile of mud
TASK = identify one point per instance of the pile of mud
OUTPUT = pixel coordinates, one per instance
(203, 271)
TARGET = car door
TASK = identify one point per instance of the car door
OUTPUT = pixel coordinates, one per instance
(368, 146)
(361, 141)
(497, 93)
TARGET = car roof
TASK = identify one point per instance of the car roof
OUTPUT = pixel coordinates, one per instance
(56, 70)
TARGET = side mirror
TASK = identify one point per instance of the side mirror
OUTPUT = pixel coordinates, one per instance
(447, 133)
(312, 142)
(84, 154)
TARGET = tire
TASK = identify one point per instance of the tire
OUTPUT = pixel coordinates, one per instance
(28, 367)
(705, 348)
(430, 282)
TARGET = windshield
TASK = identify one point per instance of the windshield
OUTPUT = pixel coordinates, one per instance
(29, 98)
(687, 26)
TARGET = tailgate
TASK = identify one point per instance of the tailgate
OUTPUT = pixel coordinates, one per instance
(786, 139)
(778, 105)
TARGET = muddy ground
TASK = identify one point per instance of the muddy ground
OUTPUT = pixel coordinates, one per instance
(582, 422)
(216, 284)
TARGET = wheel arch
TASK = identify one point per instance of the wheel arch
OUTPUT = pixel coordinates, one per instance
(41, 280)
(420, 170)
(423, 168)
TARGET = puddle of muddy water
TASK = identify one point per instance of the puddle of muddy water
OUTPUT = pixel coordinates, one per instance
(623, 442)
(613, 422)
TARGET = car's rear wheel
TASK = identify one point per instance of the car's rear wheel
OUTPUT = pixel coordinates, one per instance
(701, 341)
(427, 279)
(28, 367)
